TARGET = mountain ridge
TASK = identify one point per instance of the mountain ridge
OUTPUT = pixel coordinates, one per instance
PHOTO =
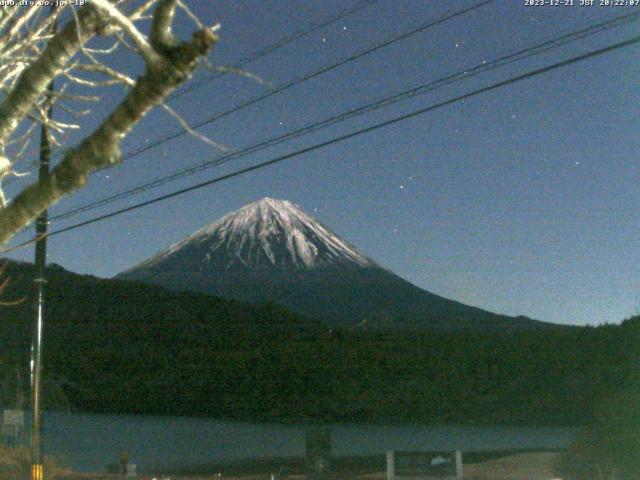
(273, 251)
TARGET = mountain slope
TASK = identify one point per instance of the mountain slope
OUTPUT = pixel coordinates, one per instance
(265, 235)
(73, 300)
(117, 346)
(271, 250)
(120, 346)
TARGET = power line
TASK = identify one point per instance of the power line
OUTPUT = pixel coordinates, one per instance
(341, 138)
(283, 42)
(366, 108)
(286, 86)
(292, 83)
(278, 45)
(389, 41)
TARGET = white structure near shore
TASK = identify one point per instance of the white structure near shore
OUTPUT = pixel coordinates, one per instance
(424, 465)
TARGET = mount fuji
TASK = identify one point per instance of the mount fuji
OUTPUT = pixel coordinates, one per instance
(272, 251)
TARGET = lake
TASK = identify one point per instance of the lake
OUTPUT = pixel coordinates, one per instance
(89, 442)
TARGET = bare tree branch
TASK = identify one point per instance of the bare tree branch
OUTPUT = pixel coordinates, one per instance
(36, 77)
(161, 34)
(148, 53)
(194, 133)
(100, 149)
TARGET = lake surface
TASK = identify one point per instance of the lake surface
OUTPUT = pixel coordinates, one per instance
(89, 442)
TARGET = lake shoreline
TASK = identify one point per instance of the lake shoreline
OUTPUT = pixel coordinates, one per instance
(534, 465)
(523, 465)
(357, 466)
(91, 442)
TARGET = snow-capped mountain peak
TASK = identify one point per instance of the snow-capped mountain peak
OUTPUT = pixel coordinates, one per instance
(272, 251)
(266, 233)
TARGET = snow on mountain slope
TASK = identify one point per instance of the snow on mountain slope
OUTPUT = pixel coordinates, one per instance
(267, 233)
(272, 251)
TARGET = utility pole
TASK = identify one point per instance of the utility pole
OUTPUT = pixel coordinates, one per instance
(38, 324)
(42, 221)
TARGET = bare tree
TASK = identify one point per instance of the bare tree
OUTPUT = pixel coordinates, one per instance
(32, 55)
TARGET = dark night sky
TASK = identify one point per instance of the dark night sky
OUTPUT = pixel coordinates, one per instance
(523, 200)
